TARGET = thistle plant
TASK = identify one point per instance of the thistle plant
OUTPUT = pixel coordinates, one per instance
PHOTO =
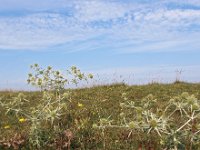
(188, 107)
(152, 123)
(53, 80)
(45, 118)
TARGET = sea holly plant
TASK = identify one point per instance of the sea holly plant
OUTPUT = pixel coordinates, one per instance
(53, 80)
(45, 118)
(188, 107)
(174, 127)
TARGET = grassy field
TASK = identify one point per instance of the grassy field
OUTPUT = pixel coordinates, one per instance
(85, 109)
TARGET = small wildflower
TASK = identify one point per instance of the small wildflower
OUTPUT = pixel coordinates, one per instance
(80, 105)
(22, 120)
(6, 127)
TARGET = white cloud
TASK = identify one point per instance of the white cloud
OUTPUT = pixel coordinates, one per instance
(100, 10)
(103, 24)
(33, 5)
(182, 2)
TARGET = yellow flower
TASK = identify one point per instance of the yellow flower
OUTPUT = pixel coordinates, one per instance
(80, 105)
(6, 127)
(22, 120)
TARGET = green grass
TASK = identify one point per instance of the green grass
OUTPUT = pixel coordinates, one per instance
(99, 101)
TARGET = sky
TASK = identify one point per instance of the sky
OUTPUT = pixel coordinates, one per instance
(136, 41)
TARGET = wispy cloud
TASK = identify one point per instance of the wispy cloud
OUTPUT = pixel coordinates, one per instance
(100, 24)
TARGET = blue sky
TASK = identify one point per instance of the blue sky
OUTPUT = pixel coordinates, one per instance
(142, 40)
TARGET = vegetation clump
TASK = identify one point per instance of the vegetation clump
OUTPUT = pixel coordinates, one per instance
(154, 116)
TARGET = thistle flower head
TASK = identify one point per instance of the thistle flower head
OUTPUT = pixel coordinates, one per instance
(132, 125)
(153, 123)
(94, 126)
(90, 76)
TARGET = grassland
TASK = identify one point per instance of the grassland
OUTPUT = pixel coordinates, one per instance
(86, 107)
